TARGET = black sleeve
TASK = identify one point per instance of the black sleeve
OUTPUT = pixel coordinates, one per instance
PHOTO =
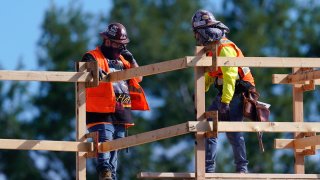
(87, 58)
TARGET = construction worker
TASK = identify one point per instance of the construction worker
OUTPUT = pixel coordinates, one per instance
(109, 105)
(230, 83)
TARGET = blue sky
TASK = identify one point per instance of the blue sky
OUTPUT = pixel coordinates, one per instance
(21, 28)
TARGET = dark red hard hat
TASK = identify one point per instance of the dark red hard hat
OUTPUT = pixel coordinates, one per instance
(116, 32)
(203, 18)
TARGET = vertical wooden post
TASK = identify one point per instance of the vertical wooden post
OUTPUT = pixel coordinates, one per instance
(199, 101)
(298, 117)
(80, 124)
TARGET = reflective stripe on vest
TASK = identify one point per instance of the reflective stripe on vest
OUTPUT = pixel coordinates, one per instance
(102, 98)
(244, 72)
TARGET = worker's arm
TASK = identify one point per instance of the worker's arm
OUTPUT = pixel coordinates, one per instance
(230, 75)
(89, 58)
(133, 63)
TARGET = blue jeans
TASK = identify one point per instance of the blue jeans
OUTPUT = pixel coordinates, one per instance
(108, 132)
(235, 138)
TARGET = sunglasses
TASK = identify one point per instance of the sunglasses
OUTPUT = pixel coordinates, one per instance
(115, 44)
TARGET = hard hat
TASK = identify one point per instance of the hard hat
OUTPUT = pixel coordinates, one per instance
(116, 32)
(203, 18)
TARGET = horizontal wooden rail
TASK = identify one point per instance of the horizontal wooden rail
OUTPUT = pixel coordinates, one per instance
(166, 66)
(171, 175)
(296, 78)
(300, 143)
(143, 138)
(53, 76)
(276, 62)
(195, 126)
(20, 144)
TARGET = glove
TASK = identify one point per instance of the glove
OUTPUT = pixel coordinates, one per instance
(224, 110)
(101, 74)
(128, 56)
(209, 80)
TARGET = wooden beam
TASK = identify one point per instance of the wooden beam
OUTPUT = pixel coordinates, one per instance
(299, 78)
(53, 76)
(297, 100)
(80, 110)
(300, 143)
(23, 144)
(283, 144)
(307, 141)
(203, 126)
(283, 79)
(276, 62)
(198, 61)
(195, 126)
(157, 68)
(143, 138)
(199, 105)
(170, 175)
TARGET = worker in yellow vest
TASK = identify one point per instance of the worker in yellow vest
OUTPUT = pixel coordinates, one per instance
(230, 83)
(109, 105)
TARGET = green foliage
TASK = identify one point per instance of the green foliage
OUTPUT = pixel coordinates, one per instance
(13, 106)
(160, 30)
(62, 43)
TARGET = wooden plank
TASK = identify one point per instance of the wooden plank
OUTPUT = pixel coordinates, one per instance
(195, 126)
(297, 143)
(283, 144)
(24, 144)
(199, 84)
(171, 175)
(80, 92)
(198, 61)
(92, 67)
(214, 117)
(307, 141)
(156, 68)
(276, 62)
(143, 138)
(297, 98)
(309, 87)
(48, 76)
(299, 78)
(283, 79)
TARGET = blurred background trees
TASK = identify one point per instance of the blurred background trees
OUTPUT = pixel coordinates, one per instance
(159, 31)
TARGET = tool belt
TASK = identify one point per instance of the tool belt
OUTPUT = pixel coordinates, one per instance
(252, 109)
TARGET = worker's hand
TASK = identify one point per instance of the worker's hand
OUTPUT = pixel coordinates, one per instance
(128, 56)
(101, 74)
(224, 110)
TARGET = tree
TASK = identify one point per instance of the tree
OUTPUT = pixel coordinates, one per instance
(14, 104)
(62, 43)
(159, 31)
(259, 28)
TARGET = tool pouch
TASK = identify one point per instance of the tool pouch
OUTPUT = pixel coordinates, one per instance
(255, 111)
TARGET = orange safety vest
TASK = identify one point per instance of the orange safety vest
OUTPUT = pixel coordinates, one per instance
(102, 98)
(244, 72)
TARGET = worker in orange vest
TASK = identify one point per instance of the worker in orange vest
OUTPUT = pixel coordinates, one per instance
(230, 82)
(109, 105)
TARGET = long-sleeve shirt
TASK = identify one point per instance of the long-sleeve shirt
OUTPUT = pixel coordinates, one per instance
(230, 75)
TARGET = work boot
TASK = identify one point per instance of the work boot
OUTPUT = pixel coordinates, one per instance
(105, 175)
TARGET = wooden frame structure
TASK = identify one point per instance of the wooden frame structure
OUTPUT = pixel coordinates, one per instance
(303, 78)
